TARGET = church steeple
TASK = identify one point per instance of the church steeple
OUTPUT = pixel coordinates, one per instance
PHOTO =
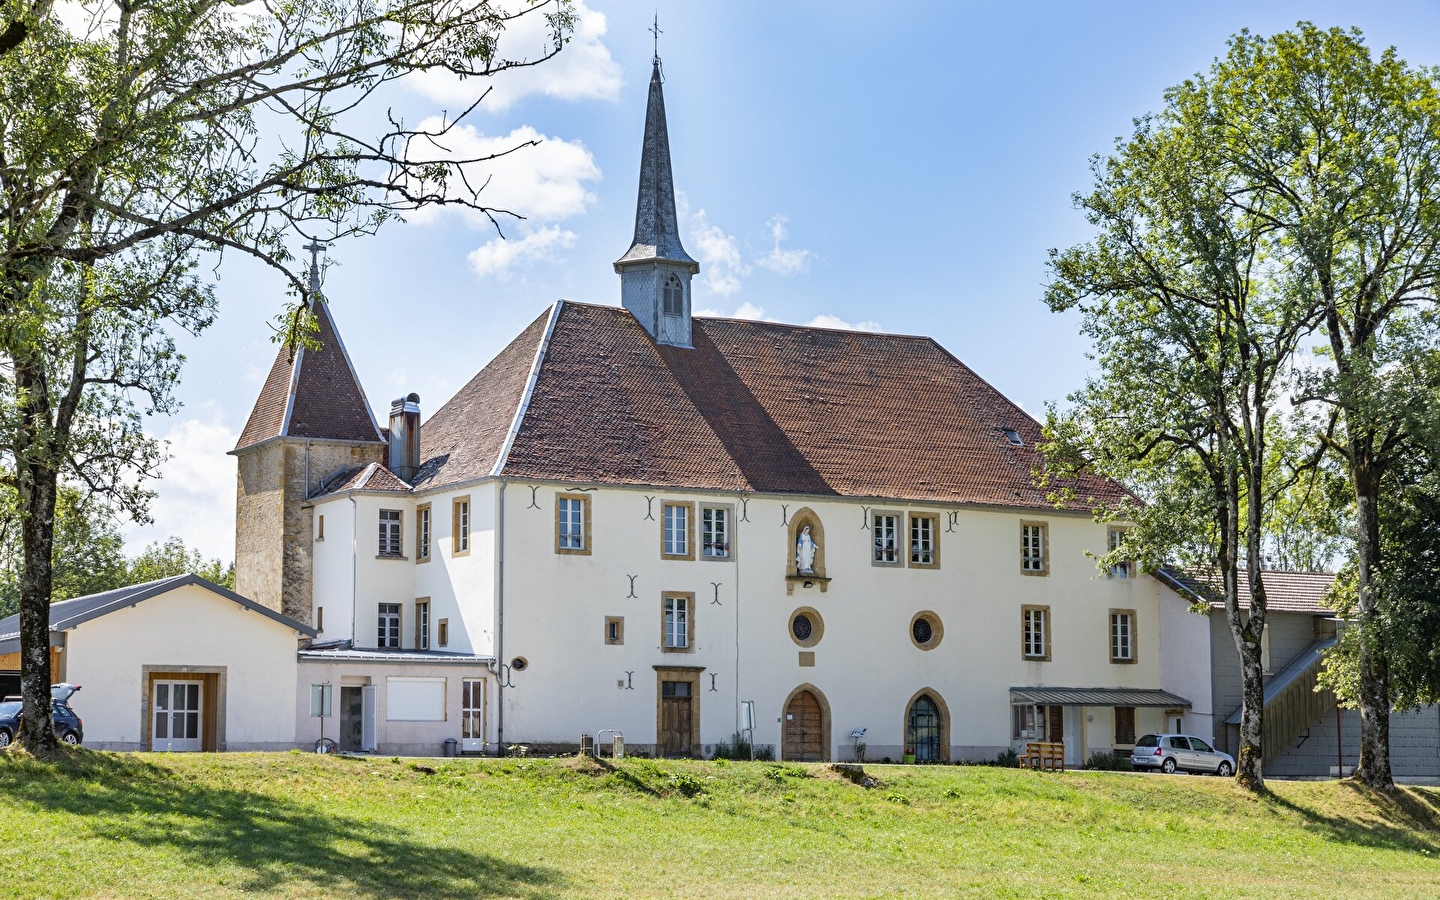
(655, 272)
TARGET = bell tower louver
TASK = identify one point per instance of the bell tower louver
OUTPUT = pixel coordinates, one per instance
(655, 273)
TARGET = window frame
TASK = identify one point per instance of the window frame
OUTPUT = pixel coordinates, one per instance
(689, 507)
(619, 627)
(729, 510)
(472, 707)
(1125, 569)
(320, 620)
(585, 534)
(422, 623)
(937, 629)
(665, 630)
(384, 634)
(442, 632)
(390, 529)
(1047, 626)
(319, 527)
(460, 527)
(900, 552)
(1025, 558)
(817, 626)
(424, 533)
(665, 286)
(1110, 620)
(934, 520)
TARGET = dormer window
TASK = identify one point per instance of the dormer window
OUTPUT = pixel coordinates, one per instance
(674, 296)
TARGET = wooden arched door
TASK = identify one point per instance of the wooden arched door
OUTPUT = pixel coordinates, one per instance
(804, 735)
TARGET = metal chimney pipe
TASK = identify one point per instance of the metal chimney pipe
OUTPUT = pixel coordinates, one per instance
(405, 436)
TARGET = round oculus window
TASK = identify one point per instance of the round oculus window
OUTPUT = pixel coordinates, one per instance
(519, 663)
(922, 630)
(802, 627)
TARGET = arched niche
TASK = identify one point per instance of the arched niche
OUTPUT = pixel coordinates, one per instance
(803, 518)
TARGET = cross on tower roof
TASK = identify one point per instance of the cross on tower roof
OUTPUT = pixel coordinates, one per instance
(654, 29)
(315, 247)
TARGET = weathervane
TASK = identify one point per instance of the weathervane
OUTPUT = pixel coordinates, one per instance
(315, 247)
(654, 29)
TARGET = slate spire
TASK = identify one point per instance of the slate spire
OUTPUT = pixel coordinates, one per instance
(655, 272)
(657, 233)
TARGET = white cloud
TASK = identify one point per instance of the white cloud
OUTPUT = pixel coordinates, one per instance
(543, 183)
(780, 260)
(825, 320)
(195, 496)
(582, 70)
(721, 266)
(497, 256)
(746, 311)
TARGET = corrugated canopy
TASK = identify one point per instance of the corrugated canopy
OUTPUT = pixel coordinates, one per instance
(1064, 696)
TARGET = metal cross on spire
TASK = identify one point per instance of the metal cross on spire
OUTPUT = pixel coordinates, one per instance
(315, 247)
(654, 29)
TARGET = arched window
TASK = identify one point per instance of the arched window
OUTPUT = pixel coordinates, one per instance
(674, 296)
(923, 729)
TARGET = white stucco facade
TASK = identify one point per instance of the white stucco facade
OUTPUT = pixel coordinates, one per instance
(186, 633)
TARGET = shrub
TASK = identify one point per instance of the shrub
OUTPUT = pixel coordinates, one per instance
(686, 784)
(1008, 759)
(1109, 761)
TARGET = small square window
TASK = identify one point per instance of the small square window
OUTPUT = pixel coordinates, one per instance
(715, 532)
(572, 524)
(677, 530)
(1034, 548)
(615, 630)
(1035, 633)
(924, 541)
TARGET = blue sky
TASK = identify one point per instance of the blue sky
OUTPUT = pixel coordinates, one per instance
(902, 167)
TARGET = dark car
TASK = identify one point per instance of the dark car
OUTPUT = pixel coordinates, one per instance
(68, 726)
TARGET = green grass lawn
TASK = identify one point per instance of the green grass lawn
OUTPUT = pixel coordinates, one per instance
(291, 825)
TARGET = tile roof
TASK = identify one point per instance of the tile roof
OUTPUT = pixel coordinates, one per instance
(755, 406)
(315, 395)
(67, 614)
(372, 477)
(1297, 592)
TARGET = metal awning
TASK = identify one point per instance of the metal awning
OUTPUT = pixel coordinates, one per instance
(1067, 696)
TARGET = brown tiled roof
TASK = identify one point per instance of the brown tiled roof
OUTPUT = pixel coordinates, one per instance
(1297, 592)
(372, 477)
(462, 440)
(755, 406)
(328, 401)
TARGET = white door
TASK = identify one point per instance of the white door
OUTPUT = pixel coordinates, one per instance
(367, 718)
(176, 725)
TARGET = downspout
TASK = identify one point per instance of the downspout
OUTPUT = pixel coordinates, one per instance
(354, 566)
(500, 622)
(734, 545)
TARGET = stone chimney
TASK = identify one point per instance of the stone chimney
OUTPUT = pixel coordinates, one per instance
(405, 436)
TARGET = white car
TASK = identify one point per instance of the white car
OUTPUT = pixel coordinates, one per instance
(1180, 752)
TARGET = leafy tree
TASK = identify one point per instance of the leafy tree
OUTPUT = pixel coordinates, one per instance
(88, 557)
(1195, 334)
(1343, 150)
(172, 557)
(156, 131)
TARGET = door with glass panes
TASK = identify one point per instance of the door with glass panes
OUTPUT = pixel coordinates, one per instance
(175, 710)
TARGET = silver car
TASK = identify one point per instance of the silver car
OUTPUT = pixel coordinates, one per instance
(1180, 752)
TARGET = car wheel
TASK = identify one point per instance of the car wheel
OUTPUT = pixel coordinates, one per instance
(1224, 770)
(70, 738)
(1168, 766)
(4, 739)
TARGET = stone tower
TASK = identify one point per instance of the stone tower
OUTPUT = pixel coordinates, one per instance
(655, 272)
(311, 421)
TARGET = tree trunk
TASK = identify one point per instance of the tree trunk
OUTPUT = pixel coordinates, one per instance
(37, 535)
(1374, 694)
(1250, 763)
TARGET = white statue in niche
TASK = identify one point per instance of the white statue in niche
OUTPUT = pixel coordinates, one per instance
(805, 548)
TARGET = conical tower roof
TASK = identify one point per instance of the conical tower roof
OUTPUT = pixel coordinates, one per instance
(315, 395)
(657, 233)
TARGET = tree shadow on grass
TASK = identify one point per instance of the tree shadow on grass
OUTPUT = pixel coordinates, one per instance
(274, 840)
(1406, 820)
